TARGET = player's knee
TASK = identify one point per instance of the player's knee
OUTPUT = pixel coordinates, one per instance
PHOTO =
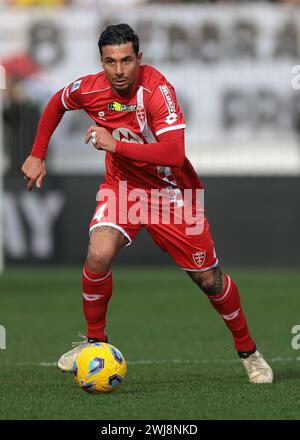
(100, 260)
(210, 282)
(209, 288)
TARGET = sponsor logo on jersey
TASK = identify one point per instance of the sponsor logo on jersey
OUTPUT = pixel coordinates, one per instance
(168, 98)
(75, 86)
(118, 107)
(199, 258)
(172, 117)
(126, 135)
(101, 115)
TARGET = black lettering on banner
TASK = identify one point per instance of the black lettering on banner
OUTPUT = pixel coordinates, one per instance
(45, 34)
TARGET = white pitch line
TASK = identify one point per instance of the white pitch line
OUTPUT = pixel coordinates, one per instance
(161, 361)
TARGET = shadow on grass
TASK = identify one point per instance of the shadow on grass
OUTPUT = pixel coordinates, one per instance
(286, 374)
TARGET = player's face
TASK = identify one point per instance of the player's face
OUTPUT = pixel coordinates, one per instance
(121, 67)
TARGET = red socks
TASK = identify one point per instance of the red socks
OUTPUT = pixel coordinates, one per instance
(228, 305)
(96, 293)
(97, 290)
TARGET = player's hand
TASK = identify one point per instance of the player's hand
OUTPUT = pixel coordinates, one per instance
(101, 138)
(34, 170)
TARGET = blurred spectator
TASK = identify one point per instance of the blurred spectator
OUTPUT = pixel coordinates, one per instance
(81, 3)
(294, 2)
(85, 3)
(38, 2)
(21, 110)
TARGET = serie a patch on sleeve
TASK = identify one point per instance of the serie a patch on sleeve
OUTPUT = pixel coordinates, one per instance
(75, 86)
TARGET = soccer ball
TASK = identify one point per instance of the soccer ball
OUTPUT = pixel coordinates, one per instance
(100, 368)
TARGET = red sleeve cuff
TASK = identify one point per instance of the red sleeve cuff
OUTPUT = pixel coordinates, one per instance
(120, 147)
(38, 152)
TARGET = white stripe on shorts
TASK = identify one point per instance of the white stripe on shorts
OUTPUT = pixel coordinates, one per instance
(113, 225)
(202, 270)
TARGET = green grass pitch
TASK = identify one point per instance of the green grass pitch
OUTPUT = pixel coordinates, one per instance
(181, 362)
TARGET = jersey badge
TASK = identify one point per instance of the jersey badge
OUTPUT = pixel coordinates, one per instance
(75, 86)
(199, 258)
(140, 113)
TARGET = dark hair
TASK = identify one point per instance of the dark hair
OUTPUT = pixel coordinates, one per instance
(119, 34)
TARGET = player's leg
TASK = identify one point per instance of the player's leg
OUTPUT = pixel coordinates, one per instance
(198, 258)
(105, 243)
(107, 236)
(196, 255)
(109, 233)
(224, 296)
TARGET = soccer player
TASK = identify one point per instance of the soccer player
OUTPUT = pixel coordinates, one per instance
(139, 124)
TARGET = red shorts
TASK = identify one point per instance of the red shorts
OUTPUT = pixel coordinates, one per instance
(191, 248)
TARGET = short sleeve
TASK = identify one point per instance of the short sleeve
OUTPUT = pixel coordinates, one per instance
(71, 95)
(165, 112)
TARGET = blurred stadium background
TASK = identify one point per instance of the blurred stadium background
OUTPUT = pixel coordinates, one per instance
(234, 66)
(231, 63)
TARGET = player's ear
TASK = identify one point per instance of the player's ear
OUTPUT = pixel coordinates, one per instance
(139, 57)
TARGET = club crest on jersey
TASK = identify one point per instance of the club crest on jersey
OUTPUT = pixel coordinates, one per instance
(75, 86)
(199, 258)
(140, 113)
(118, 107)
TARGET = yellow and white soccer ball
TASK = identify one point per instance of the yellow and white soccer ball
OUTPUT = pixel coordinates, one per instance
(100, 368)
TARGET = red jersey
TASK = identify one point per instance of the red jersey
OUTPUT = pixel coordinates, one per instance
(140, 118)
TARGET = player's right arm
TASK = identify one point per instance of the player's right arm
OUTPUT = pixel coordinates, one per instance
(34, 168)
